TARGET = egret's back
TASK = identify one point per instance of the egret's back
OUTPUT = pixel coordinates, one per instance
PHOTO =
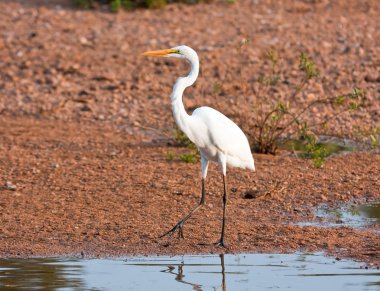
(213, 132)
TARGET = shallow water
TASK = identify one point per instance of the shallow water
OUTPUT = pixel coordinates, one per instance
(212, 272)
(348, 215)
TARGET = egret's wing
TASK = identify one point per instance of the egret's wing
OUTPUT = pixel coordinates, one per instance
(224, 134)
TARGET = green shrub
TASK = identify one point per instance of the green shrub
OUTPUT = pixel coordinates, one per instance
(155, 4)
(116, 5)
(266, 124)
(85, 4)
(181, 140)
(188, 158)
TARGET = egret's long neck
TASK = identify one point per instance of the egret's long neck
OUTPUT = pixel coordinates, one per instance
(180, 115)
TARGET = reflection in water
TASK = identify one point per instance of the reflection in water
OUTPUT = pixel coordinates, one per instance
(371, 210)
(354, 215)
(223, 272)
(39, 274)
(179, 276)
(357, 216)
(312, 272)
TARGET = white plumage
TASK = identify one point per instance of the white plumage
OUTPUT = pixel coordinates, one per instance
(217, 137)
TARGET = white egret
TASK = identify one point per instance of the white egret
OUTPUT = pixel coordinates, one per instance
(217, 137)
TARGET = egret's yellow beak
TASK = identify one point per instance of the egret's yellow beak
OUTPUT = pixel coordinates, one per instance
(160, 53)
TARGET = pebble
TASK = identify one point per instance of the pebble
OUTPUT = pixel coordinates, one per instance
(54, 165)
(372, 78)
(10, 186)
(324, 198)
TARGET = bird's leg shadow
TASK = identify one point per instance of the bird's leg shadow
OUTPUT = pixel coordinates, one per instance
(180, 224)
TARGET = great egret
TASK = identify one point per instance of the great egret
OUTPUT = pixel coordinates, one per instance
(217, 137)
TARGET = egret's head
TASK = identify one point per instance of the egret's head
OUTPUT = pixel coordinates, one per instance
(181, 51)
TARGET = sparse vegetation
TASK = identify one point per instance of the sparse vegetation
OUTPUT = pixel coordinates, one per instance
(374, 140)
(266, 126)
(116, 5)
(315, 151)
(180, 139)
(170, 156)
(188, 158)
(374, 137)
(85, 4)
(368, 135)
(272, 119)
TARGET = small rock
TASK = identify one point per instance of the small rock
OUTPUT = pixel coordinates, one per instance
(10, 186)
(372, 78)
(83, 93)
(83, 40)
(54, 165)
(85, 108)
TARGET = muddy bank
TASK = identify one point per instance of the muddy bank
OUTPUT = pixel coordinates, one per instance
(84, 165)
(86, 188)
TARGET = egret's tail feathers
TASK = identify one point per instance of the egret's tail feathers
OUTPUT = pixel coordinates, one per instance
(239, 163)
(252, 165)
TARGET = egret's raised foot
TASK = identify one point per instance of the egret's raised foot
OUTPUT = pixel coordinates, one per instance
(170, 233)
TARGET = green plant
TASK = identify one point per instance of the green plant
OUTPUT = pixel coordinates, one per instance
(170, 156)
(274, 117)
(188, 158)
(308, 67)
(368, 135)
(156, 4)
(127, 4)
(180, 139)
(84, 4)
(315, 151)
(374, 140)
(372, 136)
(217, 87)
(116, 5)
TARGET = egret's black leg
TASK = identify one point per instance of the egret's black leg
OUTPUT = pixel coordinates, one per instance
(221, 241)
(180, 224)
